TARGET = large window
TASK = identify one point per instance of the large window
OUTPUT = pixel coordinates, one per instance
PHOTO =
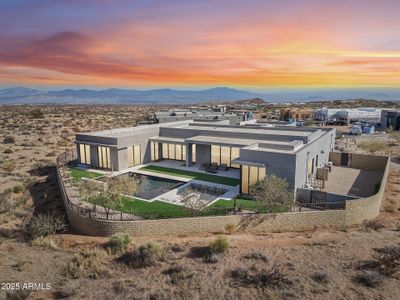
(84, 154)
(104, 157)
(154, 151)
(249, 176)
(173, 151)
(224, 155)
(134, 156)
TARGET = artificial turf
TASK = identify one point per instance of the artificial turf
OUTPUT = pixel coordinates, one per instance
(159, 209)
(77, 174)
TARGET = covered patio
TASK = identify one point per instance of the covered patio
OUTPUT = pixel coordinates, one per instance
(195, 167)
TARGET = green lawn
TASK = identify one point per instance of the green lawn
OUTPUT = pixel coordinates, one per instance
(153, 210)
(246, 204)
(159, 209)
(192, 175)
(77, 174)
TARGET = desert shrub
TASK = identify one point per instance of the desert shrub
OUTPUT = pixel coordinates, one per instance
(119, 287)
(240, 273)
(6, 204)
(9, 139)
(177, 248)
(371, 225)
(321, 277)
(28, 182)
(45, 243)
(178, 273)
(36, 113)
(69, 289)
(370, 278)
(144, 256)
(8, 151)
(90, 263)
(256, 256)
(372, 146)
(8, 166)
(272, 276)
(388, 258)
(159, 294)
(211, 258)
(44, 225)
(118, 243)
(230, 228)
(20, 294)
(18, 189)
(219, 245)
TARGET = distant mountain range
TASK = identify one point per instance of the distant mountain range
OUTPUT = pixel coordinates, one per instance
(19, 95)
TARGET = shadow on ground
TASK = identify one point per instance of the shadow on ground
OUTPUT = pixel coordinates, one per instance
(46, 195)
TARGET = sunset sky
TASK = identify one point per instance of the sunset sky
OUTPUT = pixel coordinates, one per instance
(197, 44)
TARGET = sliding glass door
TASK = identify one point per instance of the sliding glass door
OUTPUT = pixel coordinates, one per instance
(104, 157)
(134, 155)
(154, 151)
(224, 155)
(173, 151)
(84, 154)
(249, 176)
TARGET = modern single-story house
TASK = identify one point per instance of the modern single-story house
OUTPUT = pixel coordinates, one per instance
(291, 153)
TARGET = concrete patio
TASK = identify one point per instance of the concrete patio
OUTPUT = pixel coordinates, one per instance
(353, 182)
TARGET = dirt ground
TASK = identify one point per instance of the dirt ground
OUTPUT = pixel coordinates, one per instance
(320, 264)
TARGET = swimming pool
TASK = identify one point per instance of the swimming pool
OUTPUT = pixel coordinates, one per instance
(151, 186)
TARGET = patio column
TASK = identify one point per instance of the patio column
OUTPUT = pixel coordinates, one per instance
(159, 151)
(189, 155)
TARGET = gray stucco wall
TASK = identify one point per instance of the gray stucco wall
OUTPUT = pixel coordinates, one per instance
(278, 164)
(321, 147)
(119, 158)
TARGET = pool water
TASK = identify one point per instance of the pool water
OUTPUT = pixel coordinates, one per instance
(151, 186)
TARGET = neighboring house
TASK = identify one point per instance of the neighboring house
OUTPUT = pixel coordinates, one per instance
(348, 115)
(291, 153)
(214, 113)
(390, 118)
(296, 114)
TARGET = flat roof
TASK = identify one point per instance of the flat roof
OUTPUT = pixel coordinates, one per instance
(167, 139)
(220, 140)
(265, 141)
(253, 130)
(129, 131)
